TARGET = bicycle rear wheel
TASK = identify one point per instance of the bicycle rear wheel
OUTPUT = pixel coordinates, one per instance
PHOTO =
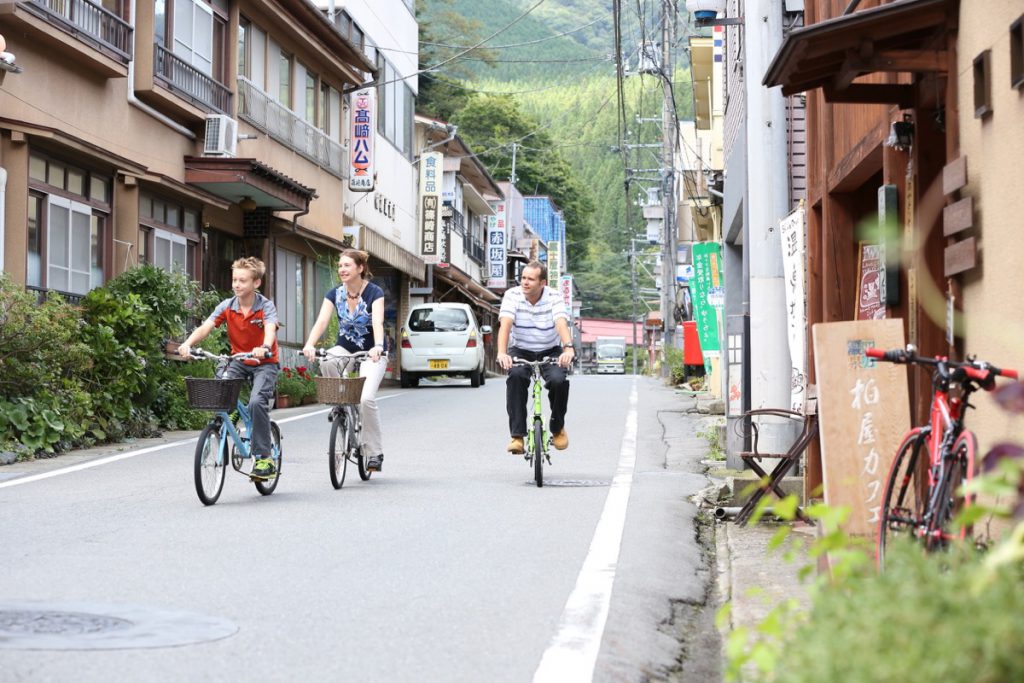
(360, 457)
(338, 452)
(959, 469)
(906, 493)
(209, 465)
(538, 453)
(267, 486)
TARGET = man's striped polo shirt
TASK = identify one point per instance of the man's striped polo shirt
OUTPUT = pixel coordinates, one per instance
(533, 325)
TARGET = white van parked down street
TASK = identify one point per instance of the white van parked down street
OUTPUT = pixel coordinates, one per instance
(442, 339)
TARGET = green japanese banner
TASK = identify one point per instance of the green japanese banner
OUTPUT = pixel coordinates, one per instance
(707, 291)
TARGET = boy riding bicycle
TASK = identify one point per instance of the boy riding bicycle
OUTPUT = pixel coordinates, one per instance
(252, 328)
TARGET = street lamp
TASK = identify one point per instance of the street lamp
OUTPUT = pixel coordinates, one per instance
(705, 13)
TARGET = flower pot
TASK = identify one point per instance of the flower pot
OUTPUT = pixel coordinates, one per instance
(283, 401)
(308, 400)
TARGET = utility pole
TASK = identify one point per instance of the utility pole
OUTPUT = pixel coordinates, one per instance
(512, 176)
(668, 132)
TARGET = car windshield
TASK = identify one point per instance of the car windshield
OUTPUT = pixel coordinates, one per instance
(438, 320)
(610, 352)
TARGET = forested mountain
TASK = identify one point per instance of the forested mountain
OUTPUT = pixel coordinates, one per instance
(553, 100)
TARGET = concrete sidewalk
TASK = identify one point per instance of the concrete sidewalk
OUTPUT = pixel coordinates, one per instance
(751, 578)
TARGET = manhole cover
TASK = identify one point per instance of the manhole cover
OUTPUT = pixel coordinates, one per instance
(37, 625)
(572, 482)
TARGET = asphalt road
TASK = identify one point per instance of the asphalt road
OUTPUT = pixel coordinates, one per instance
(450, 565)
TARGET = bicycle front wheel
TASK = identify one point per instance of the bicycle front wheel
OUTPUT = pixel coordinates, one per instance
(267, 486)
(950, 501)
(338, 452)
(906, 493)
(538, 453)
(209, 465)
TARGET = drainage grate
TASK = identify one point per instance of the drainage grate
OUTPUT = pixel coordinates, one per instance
(37, 625)
(572, 482)
(18, 623)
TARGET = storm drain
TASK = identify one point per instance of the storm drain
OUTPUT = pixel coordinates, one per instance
(572, 482)
(34, 625)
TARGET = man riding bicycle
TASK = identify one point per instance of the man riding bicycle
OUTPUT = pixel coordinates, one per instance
(534, 316)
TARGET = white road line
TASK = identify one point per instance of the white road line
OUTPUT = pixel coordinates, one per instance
(142, 451)
(573, 652)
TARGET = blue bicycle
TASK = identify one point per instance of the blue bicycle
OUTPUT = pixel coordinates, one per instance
(223, 431)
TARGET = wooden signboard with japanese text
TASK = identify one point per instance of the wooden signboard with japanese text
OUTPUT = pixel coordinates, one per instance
(863, 413)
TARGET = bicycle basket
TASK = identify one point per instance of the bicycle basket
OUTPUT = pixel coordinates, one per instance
(213, 394)
(339, 390)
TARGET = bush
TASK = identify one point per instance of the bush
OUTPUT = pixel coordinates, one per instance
(920, 620)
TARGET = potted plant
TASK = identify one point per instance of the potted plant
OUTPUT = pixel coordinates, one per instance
(309, 386)
(290, 388)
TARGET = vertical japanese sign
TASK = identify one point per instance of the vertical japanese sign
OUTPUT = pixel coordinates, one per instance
(554, 261)
(871, 280)
(794, 251)
(431, 164)
(565, 287)
(707, 288)
(497, 234)
(363, 125)
(863, 412)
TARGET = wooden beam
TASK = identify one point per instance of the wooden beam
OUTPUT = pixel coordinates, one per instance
(911, 60)
(960, 256)
(958, 216)
(865, 93)
(954, 175)
(853, 65)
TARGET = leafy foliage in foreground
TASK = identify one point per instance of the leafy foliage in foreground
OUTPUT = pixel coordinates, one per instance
(79, 375)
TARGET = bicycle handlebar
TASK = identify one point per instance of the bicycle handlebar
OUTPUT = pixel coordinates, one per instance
(358, 355)
(201, 353)
(982, 372)
(535, 363)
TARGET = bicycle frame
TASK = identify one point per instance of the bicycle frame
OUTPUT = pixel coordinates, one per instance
(536, 391)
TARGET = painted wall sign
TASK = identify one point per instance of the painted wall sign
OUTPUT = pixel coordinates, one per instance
(361, 131)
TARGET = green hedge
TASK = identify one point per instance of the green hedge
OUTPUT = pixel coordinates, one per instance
(77, 375)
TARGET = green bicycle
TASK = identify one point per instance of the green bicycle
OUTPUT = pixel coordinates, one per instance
(538, 439)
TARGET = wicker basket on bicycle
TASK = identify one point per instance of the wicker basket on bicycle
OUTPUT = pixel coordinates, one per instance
(213, 394)
(339, 390)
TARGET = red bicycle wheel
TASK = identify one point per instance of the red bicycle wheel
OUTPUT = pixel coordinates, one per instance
(960, 468)
(906, 493)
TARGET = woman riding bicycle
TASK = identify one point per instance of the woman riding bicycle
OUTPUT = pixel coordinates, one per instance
(359, 307)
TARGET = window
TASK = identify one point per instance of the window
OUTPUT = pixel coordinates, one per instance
(288, 296)
(168, 234)
(983, 85)
(284, 79)
(66, 227)
(1017, 53)
(324, 121)
(395, 108)
(310, 90)
(193, 34)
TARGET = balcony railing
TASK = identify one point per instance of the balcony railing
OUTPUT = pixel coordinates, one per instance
(41, 294)
(475, 249)
(288, 128)
(190, 82)
(90, 23)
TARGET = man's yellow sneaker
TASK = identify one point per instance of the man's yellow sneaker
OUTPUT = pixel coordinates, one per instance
(516, 445)
(560, 440)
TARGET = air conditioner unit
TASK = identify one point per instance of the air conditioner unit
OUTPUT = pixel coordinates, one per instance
(221, 136)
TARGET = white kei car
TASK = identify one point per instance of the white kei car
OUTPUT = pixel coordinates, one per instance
(442, 339)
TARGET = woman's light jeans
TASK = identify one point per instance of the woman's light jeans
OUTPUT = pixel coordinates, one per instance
(334, 366)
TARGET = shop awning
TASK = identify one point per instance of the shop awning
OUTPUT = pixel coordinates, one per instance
(906, 36)
(238, 179)
(470, 288)
(380, 247)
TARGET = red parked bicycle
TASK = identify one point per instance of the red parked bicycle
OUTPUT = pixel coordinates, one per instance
(922, 497)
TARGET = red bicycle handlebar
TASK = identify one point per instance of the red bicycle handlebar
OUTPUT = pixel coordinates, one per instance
(874, 353)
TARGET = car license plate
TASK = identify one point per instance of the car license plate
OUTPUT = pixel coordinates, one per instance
(438, 364)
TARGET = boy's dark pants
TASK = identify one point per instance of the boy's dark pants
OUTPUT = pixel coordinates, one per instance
(517, 390)
(264, 384)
